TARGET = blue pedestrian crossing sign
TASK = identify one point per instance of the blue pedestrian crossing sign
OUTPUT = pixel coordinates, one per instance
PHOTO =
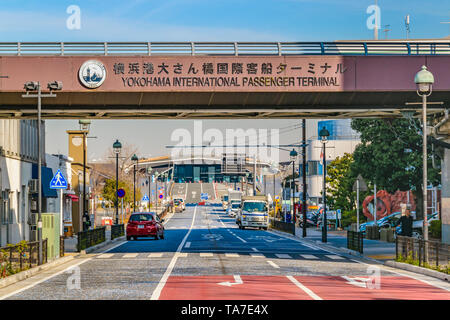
(145, 198)
(58, 181)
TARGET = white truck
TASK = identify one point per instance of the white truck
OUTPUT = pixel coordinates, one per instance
(234, 202)
(254, 212)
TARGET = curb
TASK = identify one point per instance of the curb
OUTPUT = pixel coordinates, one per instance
(420, 270)
(33, 271)
(101, 245)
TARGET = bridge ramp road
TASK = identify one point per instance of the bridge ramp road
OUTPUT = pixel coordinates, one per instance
(194, 191)
(209, 189)
(179, 190)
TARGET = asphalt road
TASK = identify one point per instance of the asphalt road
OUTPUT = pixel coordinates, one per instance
(205, 256)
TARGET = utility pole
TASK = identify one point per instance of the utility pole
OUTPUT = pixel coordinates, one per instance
(304, 177)
(36, 86)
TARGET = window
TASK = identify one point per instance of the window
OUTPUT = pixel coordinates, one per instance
(141, 217)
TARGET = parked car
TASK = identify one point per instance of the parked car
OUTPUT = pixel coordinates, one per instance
(145, 224)
(385, 222)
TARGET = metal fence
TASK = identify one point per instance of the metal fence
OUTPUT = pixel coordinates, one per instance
(408, 247)
(61, 246)
(21, 257)
(355, 241)
(90, 238)
(224, 48)
(117, 230)
(282, 226)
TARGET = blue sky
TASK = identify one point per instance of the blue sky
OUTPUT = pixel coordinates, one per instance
(218, 20)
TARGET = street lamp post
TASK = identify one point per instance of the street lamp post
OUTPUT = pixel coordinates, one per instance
(424, 80)
(324, 134)
(84, 126)
(293, 154)
(135, 159)
(33, 86)
(117, 146)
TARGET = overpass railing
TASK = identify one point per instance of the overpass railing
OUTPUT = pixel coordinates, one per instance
(223, 48)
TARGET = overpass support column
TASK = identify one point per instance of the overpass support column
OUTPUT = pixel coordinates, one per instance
(445, 182)
(445, 194)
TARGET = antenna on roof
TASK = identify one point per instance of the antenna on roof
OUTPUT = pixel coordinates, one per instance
(408, 30)
(386, 30)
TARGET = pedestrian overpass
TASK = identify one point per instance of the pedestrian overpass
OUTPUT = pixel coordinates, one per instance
(221, 80)
(230, 80)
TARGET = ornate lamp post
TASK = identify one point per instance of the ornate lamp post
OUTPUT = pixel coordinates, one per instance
(424, 80)
(84, 126)
(117, 147)
(135, 159)
(324, 134)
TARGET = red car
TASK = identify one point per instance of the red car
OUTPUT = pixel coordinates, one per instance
(145, 224)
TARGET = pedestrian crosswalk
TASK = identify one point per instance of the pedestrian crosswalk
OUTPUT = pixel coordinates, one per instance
(250, 254)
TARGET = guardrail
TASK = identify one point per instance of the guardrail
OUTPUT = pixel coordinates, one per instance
(413, 248)
(20, 257)
(117, 230)
(90, 238)
(355, 241)
(282, 226)
(223, 48)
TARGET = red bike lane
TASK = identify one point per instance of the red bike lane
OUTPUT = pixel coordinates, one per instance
(250, 287)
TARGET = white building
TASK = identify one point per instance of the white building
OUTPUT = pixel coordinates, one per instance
(18, 144)
(342, 140)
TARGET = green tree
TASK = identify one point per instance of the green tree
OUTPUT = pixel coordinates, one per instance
(340, 181)
(390, 155)
(109, 191)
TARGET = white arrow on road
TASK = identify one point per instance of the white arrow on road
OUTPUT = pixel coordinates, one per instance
(237, 280)
(357, 281)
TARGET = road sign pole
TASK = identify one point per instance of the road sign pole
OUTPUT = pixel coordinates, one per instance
(122, 211)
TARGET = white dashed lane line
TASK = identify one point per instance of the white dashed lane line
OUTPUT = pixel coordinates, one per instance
(273, 264)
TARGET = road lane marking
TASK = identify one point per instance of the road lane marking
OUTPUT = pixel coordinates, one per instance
(155, 255)
(105, 256)
(254, 249)
(241, 239)
(162, 282)
(283, 255)
(273, 264)
(237, 280)
(130, 255)
(298, 240)
(182, 255)
(257, 255)
(308, 256)
(232, 255)
(54, 275)
(206, 254)
(301, 286)
(188, 244)
(334, 257)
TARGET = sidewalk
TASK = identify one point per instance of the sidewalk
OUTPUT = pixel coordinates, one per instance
(70, 244)
(373, 249)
